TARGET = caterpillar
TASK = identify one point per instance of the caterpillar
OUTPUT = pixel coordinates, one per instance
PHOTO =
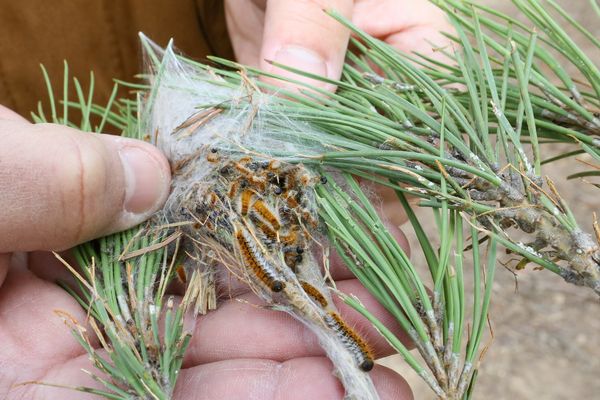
(233, 189)
(291, 237)
(292, 255)
(255, 261)
(246, 198)
(314, 293)
(263, 210)
(181, 275)
(353, 342)
(269, 236)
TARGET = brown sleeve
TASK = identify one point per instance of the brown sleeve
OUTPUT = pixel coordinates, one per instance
(98, 35)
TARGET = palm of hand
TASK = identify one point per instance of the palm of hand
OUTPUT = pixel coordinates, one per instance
(240, 351)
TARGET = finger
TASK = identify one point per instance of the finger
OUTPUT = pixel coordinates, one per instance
(30, 331)
(409, 25)
(386, 201)
(62, 187)
(301, 35)
(426, 40)
(70, 373)
(241, 329)
(245, 22)
(47, 266)
(301, 378)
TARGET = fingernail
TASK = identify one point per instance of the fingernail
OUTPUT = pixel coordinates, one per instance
(146, 179)
(301, 58)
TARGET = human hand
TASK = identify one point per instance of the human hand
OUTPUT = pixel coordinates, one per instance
(59, 187)
(62, 187)
(239, 351)
(299, 34)
(243, 351)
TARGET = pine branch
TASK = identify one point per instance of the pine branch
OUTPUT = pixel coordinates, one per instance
(380, 131)
(463, 135)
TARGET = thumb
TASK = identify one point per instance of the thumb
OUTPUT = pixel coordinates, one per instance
(300, 34)
(61, 187)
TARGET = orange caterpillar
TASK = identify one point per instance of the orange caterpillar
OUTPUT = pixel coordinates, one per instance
(291, 237)
(245, 200)
(211, 199)
(273, 165)
(258, 181)
(305, 180)
(291, 201)
(243, 169)
(233, 189)
(289, 176)
(181, 274)
(314, 293)
(240, 165)
(353, 342)
(263, 210)
(255, 261)
(292, 259)
(266, 231)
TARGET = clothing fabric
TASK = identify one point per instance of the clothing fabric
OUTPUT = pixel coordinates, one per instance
(99, 36)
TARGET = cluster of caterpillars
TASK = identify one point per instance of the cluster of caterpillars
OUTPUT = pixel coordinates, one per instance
(262, 211)
(266, 206)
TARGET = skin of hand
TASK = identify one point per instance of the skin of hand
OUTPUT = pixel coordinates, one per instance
(298, 33)
(61, 187)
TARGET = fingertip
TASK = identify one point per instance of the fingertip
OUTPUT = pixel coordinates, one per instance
(300, 58)
(147, 178)
(303, 36)
(297, 378)
(390, 384)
